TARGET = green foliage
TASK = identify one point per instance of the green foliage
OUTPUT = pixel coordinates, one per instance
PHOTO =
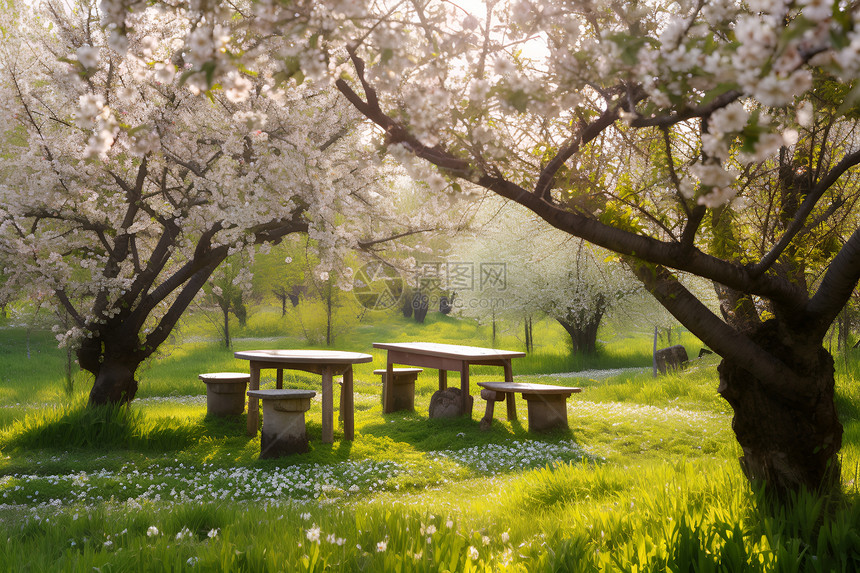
(652, 484)
(79, 426)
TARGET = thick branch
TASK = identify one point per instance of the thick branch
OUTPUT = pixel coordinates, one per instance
(67, 304)
(837, 286)
(719, 336)
(673, 255)
(395, 132)
(543, 187)
(165, 326)
(195, 274)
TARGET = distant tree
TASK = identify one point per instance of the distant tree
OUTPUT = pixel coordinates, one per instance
(229, 287)
(545, 273)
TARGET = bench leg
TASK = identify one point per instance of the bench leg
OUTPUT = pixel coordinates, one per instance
(491, 397)
(546, 412)
(487, 420)
(512, 407)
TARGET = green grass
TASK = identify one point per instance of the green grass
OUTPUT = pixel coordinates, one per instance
(646, 478)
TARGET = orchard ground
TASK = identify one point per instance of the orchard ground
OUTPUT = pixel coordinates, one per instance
(646, 479)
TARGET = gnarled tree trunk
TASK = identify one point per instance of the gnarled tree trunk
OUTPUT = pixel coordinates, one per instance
(788, 442)
(115, 383)
(583, 333)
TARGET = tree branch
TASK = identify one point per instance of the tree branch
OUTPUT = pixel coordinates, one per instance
(699, 111)
(67, 304)
(797, 223)
(837, 286)
(369, 243)
(673, 255)
(543, 187)
(719, 336)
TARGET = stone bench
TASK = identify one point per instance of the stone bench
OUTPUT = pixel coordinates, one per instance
(400, 394)
(225, 393)
(547, 404)
(284, 429)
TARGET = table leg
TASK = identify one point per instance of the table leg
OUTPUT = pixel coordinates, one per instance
(511, 403)
(279, 381)
(347, 405)
(253, 403)
(464, 387)
(388, 386)
(443, 379)
(327, 406)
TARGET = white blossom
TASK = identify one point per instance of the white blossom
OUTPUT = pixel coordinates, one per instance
(88, 56)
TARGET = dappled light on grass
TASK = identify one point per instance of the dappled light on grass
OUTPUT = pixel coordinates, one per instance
(669, 495)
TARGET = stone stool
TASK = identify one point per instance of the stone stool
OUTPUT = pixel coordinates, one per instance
(225, 393)
(547, 404)
(400, 395)
(283, 421)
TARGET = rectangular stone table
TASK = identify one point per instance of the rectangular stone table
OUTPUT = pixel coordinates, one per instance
(445, 357)
(327, 363)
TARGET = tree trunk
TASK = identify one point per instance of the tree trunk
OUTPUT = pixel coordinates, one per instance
(328, 303)
(583, 333)
(494, 329)
(115, 383)
(789, 442)
(528, 328)
(420, 306)
(226, 311)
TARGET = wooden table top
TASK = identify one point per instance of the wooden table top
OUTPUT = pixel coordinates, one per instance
(304, 356)
(528, 388)
(449, 350)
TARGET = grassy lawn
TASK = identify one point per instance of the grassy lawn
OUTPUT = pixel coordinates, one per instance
(646, 479)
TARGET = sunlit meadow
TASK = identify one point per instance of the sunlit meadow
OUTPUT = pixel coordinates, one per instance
(646, 479)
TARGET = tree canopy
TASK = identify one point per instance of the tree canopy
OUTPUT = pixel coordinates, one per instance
(122, 190)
